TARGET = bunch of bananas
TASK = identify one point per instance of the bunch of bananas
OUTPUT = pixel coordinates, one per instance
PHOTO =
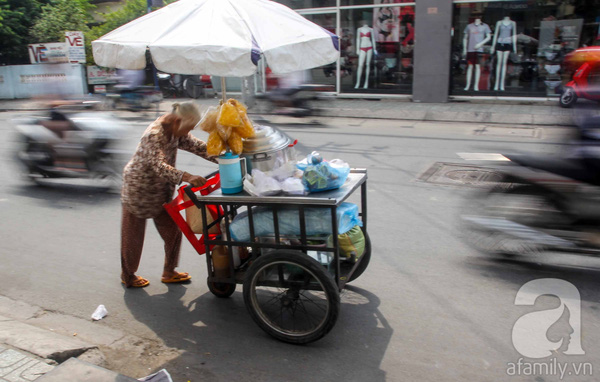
(226, 125)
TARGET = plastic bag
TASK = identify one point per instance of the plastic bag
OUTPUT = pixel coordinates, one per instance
(214, 144)
(224, 131)
(324, 176)
(235, 143)
(264, 184)
(245, 130)
(293, 186)
(317, 221)
(208, 122)
(229, 115)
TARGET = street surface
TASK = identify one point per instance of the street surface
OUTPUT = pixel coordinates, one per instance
(428, 308)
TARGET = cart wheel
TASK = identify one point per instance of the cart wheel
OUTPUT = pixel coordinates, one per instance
(222, 290)
(291, 297)
(364, 261)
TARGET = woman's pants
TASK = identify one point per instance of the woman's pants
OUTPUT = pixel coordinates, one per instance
(132, 240)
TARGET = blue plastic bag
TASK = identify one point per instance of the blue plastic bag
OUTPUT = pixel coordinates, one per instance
(318, 221)
(320, 175)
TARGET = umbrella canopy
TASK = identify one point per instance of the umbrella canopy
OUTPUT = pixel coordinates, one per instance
(218, 37)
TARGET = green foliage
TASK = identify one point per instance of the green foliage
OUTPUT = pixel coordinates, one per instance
(60, 16)
(129, 12)
(16, 17)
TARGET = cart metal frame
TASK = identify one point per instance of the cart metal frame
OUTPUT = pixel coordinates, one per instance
(229, 206)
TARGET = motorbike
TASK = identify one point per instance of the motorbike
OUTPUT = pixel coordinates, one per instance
(300, 101)
(541, 203)
(586, 78)
(177, 86)
(134, 98)
(71, 144)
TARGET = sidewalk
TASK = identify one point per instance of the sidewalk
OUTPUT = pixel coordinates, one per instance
(532, 113)
(37, 345)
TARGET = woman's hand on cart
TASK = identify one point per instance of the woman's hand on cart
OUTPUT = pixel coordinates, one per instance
(194, 180)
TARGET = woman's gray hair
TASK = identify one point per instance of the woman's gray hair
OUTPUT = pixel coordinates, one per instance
(187, 110)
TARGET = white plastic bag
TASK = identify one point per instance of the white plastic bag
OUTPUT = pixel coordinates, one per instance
(99, 313)
(293, 186)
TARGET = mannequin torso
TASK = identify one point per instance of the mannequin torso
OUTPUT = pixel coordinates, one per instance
(365, 37)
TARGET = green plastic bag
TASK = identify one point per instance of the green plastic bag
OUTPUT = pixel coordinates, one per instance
(350, 243)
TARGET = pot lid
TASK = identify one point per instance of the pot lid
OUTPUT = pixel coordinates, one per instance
(266, 139)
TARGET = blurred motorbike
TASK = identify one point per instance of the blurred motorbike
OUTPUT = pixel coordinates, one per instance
(299, 101)
(542, 203)
(132, 98)
(177, 85)
(586, 78)
(71, 144)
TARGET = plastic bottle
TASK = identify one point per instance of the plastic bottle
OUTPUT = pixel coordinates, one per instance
(220, 259)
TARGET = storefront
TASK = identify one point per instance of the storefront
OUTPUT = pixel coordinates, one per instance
(376, 44)
(517, 48)
(501, 48)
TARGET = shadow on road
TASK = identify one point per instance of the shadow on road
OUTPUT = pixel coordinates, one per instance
(66, 195)
(519, 270)
(220, 341)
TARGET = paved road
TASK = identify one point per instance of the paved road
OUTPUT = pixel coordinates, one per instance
(428, 308)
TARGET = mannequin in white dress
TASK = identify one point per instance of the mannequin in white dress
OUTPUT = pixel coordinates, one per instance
(365, 47)
(476, 35)
(505, 41)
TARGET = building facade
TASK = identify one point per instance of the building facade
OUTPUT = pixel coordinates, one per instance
(435, 50)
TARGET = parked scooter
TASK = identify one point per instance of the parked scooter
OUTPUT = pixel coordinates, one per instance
(586, 79)
(542, 203)
(66, 144)
(300, 101)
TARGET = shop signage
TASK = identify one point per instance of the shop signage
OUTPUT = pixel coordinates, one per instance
(75, 47)
(49, 53)
(99, 88)
(97, 75)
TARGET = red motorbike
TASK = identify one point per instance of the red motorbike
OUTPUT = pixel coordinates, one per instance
(586, 79)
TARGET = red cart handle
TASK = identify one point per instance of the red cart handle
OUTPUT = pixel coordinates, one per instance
(178, 204)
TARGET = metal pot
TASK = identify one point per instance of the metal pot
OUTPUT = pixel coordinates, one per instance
(268, 149)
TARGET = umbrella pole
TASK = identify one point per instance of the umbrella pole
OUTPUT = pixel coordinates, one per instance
(223, 89)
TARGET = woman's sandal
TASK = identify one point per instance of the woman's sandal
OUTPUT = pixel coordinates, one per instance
(140, 282)
(177, 278)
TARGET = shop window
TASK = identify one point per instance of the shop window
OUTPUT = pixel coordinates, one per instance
(517, 48)
(377, 49)
(303, 4)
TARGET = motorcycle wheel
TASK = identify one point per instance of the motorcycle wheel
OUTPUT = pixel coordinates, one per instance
(519, 203)
(568, 98)
(192, 90)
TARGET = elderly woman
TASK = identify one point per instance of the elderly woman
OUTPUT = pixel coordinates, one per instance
(149, 181)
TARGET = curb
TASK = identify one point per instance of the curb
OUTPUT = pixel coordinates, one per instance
(42, 343)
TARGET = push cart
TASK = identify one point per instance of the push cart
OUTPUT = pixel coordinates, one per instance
(291, 285)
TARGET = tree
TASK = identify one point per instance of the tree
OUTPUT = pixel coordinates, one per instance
(60, 16)
(16, 18)
(129, 12)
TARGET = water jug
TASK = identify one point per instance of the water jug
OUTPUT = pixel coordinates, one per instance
(232, 172)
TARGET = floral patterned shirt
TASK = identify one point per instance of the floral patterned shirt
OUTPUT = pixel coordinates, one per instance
(150, 177)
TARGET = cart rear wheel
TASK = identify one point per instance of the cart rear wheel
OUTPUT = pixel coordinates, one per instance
(364, 261)
(222, 290)
(291, 297)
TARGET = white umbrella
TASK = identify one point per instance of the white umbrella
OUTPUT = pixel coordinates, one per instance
(218, 37)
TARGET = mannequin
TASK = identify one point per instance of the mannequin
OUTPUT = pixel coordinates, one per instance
(505, 41)
(365, 47)
(476, 35)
